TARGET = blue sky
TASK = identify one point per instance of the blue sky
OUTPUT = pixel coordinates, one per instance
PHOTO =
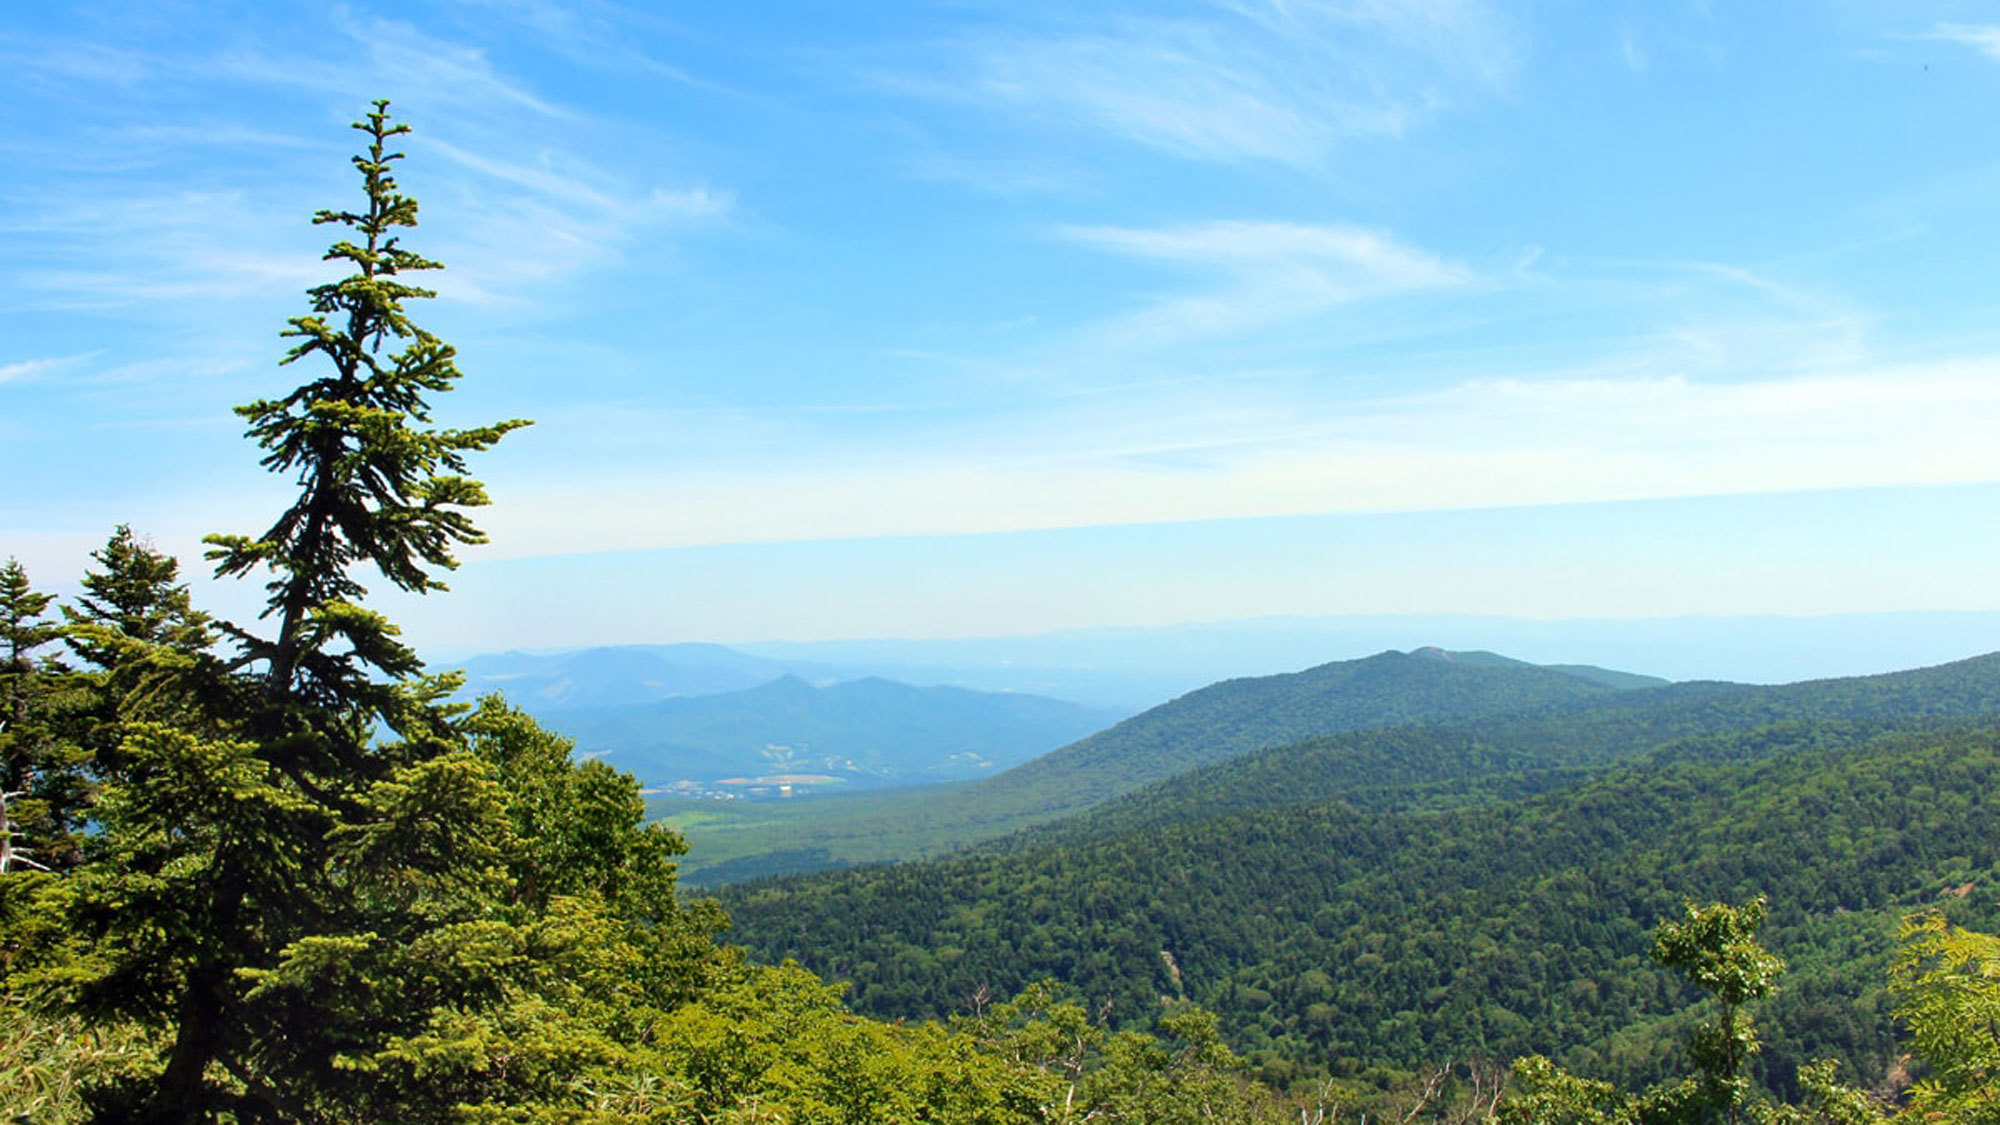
(968, 318)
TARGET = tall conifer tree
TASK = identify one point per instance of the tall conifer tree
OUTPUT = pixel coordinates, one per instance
(41, 783)
(377, 484)
(271, 810)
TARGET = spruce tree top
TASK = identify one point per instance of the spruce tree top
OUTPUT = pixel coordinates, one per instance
(377, 483)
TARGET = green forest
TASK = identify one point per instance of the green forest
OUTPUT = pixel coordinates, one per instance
(1329, 931)
(1203, 727)
(269, 871)
(1421, 717)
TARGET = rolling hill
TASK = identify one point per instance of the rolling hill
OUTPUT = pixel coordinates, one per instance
(1538, 750)
(1213, 724)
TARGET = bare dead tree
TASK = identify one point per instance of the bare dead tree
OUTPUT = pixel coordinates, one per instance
(1487, 1082)
(1324, 1110)
(1430, 1086)
(12, 854)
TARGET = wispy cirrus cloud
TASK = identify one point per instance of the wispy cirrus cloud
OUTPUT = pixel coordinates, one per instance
(571, 182)
(1375, 260)
(999, 176)
(594, 33)
(1984, 38)
(566, 214)
(384, 53)
(521, 207)
(137, 247)
(1262, 273)
(1255, 80)
(22, 371)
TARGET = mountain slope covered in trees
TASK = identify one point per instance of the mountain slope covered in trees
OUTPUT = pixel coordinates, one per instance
(1553, 747)
(1382, 932)
(1234, 717)
(1211, 725)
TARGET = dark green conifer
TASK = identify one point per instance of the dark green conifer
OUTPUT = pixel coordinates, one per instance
(314, 790)
(41, 780)
(378, 485)
(136, 628)
(135, 596)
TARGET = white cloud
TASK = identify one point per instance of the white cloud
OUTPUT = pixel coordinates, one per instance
(158, 222)
(544, 178)
(1271, 80)
(94, 64)
(1001, 177)
(563, 179)
(1269, 273)
(1984, 38)
(136, 248)
(521, 224)
(1375, 258)
(1485, 443)
(426, 70)
(593, 34)
(26, 370)
(1632, 53)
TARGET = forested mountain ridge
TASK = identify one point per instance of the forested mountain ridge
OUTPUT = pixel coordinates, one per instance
(1212, 724)
(1489, 715)
(864, 732)
(1234, 717)
(1521, 753)
(1609, 677)
(1324, 931)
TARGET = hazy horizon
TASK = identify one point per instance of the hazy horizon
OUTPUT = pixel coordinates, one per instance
(1136, 667)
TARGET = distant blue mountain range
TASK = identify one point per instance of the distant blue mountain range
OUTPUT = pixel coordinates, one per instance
(712, 720)
(791, 736)
(1131, 669)
(772, 704)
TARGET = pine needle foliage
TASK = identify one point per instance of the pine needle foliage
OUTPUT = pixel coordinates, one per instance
(42, 787)
(278, 835)
(378, 484)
